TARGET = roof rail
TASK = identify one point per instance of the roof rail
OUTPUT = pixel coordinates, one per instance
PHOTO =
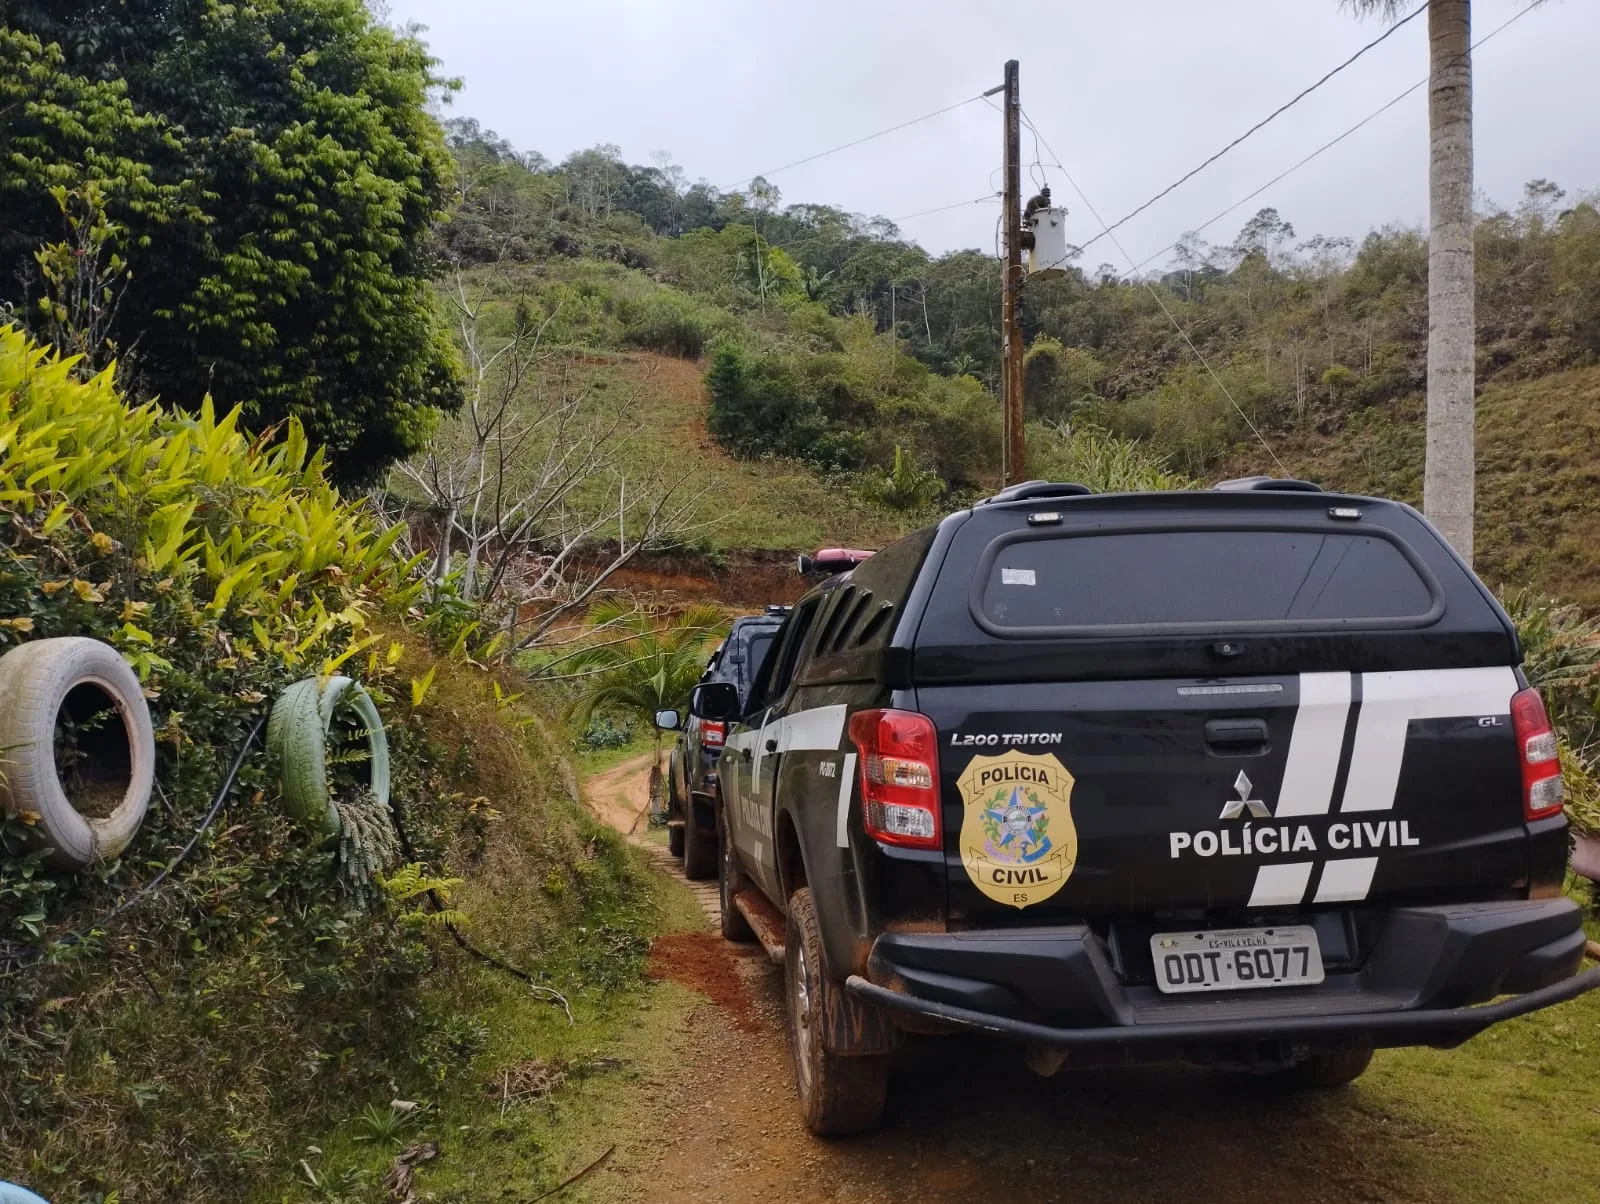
(1038, 489)
(1266, 485)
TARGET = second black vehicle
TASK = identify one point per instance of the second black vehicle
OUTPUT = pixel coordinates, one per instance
(692, 780)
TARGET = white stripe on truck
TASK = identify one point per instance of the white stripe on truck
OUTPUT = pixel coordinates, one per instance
(1389, 702)
(1315, 744)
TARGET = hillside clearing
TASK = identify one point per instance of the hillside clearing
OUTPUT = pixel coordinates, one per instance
(1538, 475)
(751, 504)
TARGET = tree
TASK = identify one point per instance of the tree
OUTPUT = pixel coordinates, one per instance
(905, 488)
(641, 662)
(273, 175)
(1448, 469)
(531, 475)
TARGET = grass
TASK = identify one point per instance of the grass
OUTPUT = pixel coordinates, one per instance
(761, 504)
(590, 762)
(1538, 460)
(492, 1150)
(1512, 1115)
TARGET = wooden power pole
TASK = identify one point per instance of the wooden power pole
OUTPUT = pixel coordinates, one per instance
(1013, 453)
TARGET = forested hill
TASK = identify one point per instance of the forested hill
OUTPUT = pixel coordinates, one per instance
(1305, 333)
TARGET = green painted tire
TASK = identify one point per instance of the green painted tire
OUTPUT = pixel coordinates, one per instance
(297, 735)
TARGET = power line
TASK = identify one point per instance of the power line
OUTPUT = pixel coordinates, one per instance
(856, 142)
(1326, 146)
(1176, 325)
(988, 196)
(1270, 117)
(805, 240)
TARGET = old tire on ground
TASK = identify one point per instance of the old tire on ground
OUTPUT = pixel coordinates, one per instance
(838, 1093)
(297, 735)
(730, 881)
(699, 848)
(1323, 1072)
(82, 679)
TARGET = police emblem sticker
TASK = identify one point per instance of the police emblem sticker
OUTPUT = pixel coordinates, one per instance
(1018, 841)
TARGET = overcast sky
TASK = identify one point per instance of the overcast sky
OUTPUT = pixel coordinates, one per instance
(1131, 94)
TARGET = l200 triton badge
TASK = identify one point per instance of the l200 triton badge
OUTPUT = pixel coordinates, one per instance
(1018, 841)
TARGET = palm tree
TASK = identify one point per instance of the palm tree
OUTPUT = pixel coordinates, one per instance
(1448, 470)
(907, 489)
(642, 662)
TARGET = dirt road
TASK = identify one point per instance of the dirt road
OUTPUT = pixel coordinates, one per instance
(620, 796)
(966, 1121)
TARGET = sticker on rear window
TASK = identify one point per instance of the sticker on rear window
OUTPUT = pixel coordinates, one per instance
(1017, 577)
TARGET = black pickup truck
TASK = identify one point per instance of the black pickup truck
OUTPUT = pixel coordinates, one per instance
(1246, 777)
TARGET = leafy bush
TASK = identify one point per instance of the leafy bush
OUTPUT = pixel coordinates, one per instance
(1099, 460)
(605, 731)
(1561, 656)
(671, 323)
(848, 408)
(249, 986)
(275, 177)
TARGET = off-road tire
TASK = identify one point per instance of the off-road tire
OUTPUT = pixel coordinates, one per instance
(1327, 1071)
(838, 1094)
(730, 881)
(699, 848)
(675, 841)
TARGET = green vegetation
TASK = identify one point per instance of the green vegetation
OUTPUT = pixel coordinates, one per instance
(1561, 655)
(829, 342)
(187, 1047)
(637, 662)
(1538, 475)
(270, 178)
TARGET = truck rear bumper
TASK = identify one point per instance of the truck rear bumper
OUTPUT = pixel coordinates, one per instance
(1056, 986)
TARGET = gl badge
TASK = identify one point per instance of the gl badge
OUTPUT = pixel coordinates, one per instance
(1244, 804)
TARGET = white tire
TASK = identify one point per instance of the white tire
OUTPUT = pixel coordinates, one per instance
(85, 676)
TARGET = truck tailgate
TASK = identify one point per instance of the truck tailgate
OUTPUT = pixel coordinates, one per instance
(1248, 793)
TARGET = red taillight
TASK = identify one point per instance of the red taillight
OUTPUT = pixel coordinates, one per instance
(899, 777)
(712, 733)
(1542, 789)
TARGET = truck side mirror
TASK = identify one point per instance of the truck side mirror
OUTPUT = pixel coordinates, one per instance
(668, 720)
(717, 701)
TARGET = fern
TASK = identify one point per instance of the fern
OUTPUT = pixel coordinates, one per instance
(410, 883)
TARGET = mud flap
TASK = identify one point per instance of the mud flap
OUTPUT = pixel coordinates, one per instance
(851, 1028)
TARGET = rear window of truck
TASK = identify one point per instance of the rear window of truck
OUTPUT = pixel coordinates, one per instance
(1143, 579)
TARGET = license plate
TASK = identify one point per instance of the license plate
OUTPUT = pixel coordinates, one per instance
(1236, 959)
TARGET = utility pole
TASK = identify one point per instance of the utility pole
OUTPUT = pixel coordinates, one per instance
(1012, 469)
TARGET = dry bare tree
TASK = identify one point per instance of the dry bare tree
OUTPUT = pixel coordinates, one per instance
(531, 496)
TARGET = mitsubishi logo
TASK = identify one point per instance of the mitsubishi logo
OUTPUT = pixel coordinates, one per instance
(1244, 804)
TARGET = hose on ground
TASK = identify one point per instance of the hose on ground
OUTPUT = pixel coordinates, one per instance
(11, 954)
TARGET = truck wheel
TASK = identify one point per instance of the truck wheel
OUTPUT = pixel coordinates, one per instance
(675, 841)
(838, 1094)
(699, 848)
(1323, 1072)
(730, 881)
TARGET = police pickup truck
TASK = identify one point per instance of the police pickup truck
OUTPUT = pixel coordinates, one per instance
(1247, 777)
